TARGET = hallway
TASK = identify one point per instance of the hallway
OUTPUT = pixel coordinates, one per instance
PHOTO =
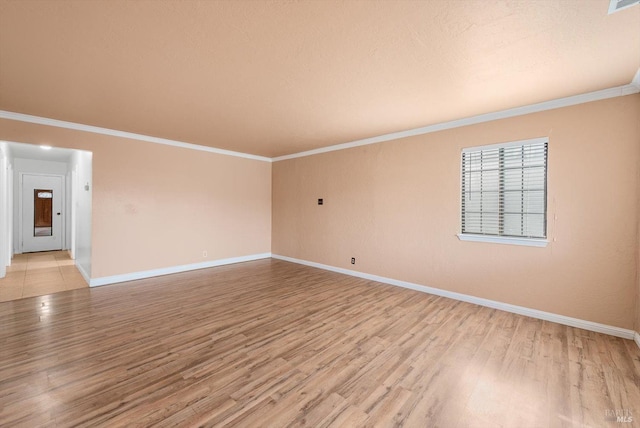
(37, 274)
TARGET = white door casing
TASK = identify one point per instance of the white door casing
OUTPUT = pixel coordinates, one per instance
(30, 241)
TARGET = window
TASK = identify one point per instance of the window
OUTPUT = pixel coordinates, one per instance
(504, 192)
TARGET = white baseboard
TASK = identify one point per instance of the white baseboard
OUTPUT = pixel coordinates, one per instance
(84, 273)
(106, 280)
(636, 338)
(521, 310)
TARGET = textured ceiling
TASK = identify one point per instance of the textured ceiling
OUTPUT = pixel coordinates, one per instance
(278, 77)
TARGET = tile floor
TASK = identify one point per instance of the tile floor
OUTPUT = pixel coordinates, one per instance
(37, 274)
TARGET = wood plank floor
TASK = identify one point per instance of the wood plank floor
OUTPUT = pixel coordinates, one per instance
(270, 343)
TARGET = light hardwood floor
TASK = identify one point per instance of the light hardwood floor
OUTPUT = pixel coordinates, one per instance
(37, 274)
(270, 343)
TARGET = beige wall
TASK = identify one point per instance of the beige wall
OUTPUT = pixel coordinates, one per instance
(158, 206)
(395, 206)
(637, 324)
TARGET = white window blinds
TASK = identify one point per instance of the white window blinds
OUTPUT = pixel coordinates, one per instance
(504, 189)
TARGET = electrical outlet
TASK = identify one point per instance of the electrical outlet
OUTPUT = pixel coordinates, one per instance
(320, 201)
(204, 253)
(353, 260)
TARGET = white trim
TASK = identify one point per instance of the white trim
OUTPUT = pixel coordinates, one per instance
(84, 274)
(619, 91)
(105, 280)
(5, 258)
(636, 338)
(20, 117)
(473, 149)
(613, 6)
(520, 310)
(473, 120)
(636, 80)
(529, 242)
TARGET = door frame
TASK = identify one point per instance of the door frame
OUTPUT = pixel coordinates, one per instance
(63, 226)
(6, 210)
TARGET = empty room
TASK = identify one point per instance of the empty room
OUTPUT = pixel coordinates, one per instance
(320, 213)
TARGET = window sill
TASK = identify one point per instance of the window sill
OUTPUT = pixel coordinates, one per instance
(529, 242)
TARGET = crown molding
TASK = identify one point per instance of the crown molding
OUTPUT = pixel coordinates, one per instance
(20, 117)
(620, 91)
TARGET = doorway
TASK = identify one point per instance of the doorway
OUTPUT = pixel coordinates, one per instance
(42, 216)
(37, 183)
